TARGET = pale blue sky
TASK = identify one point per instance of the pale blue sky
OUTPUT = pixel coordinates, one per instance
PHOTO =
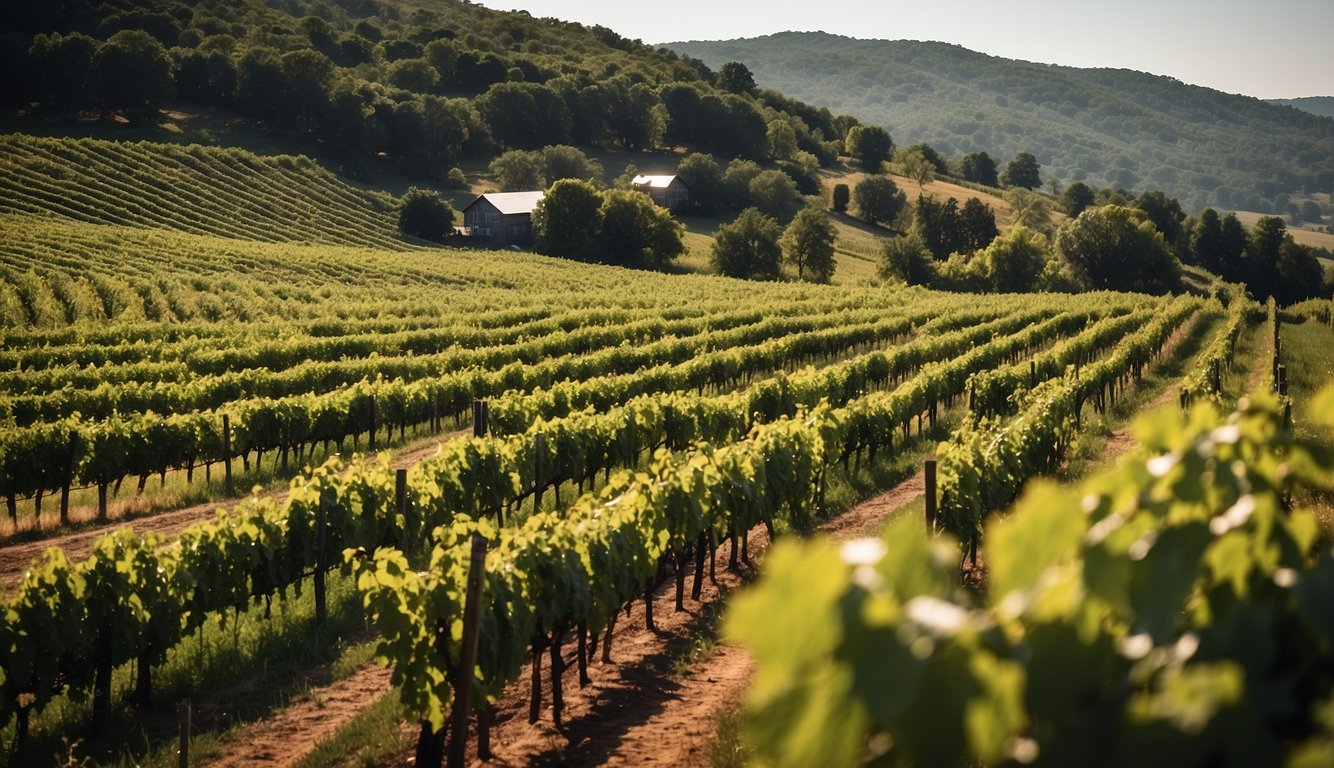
(1271, 49)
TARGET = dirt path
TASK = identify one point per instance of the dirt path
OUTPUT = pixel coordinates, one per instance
(644, 710)
(285, 738)
(654, 705)
(1262, 362)
(17, 557)
(1121, 441)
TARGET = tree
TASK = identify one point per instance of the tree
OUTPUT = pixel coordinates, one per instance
(736, 183)
(1023, 171)
(1206, 241)
(1310, 212)
(1029, 209)
(635, 232)
(808, 245)
(1077, 197)
(1299, 274)
(1165, 213)
(1260, 262)
(878, 199)
(131, 72)
(1231, 248)
(842, 196)
(735, 77)
(938, 164)
(1117, 248)
(776, 195)
(309, 76)
(568, 220)
(1016, 261)
(701, 173)
(780, 140)
(979, 168)
(748, 247)
(416, 75)
(517, 170)
(905, 258)
(566, 162)
(423, 213)
(870, 145)
(917, 167)
(62, 64)
(977, 225)
(937, 225)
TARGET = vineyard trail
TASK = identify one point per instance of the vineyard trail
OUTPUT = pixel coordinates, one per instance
(16, 558)
(638, 711)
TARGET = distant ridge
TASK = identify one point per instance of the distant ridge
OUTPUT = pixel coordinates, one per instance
(1108, 127)
(1316, 105)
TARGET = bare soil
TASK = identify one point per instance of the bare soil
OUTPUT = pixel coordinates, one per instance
(657, 703)
(17, 557)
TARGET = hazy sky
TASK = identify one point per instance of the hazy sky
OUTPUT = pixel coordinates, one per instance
(1270, 49)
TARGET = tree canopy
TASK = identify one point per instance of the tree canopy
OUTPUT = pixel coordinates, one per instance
(1117, 248)
(808, 245)
(1023, 171)
(748, 247)
(878, 199)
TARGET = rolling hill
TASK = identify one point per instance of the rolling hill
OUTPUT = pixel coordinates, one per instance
(1106, 127)
(1316, 105)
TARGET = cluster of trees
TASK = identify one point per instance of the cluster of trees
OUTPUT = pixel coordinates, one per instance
(522, 169)
(779, 192)
(426, 87)
(1110, 242)
(576, 220)
(755, 246)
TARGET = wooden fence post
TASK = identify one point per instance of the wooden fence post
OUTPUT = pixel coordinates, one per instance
(227, 453)
(931, 510)
(372, 435)
(70, 454)
(539, 450)
(183, 713)
(472, 612)
(410, 522)
(321, 563)
(481, 418)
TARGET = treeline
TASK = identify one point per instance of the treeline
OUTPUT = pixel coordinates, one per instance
(426, 87)
(1106, 127)
(1110, 240)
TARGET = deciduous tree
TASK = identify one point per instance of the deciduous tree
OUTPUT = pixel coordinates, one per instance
(878, 199)
(423, 213)
(568, 220)
(1023, 171)
(1117, 248)
(748, 247)
(808, 245)
(870, 145)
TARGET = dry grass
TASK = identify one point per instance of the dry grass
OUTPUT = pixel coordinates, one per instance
(1302, 236)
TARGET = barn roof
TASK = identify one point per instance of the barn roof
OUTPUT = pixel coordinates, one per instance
(511, 202)
(655, 182)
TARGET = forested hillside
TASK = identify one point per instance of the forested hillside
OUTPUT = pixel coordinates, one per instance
(422, 86)
(1102, 126)
(1316, 105)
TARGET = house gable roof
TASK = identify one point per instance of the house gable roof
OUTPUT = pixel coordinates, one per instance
(655, 182)
(509, 203)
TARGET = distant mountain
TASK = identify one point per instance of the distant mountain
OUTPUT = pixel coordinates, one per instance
(1108, 127)
(1316, 105)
